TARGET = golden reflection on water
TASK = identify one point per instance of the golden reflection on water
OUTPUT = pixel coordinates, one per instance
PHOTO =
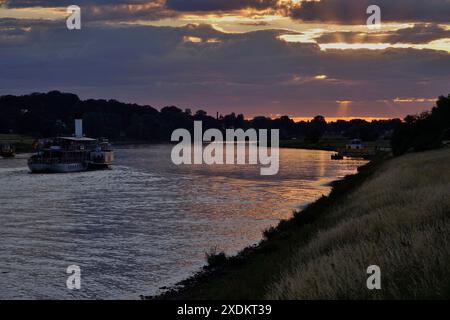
(239, 193)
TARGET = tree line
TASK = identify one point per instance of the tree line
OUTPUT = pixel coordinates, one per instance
(52, 114)
(424, 131)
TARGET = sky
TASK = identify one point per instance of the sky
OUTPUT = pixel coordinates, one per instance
(258, 57)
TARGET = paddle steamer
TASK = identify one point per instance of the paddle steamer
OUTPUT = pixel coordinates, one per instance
(71, 154)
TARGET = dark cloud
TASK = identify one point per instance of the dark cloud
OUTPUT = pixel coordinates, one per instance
(154, 10)
(354, 11)
(418, 34)
(65, 3)
(219, 5)
(176, 5)
(328, 11)
(253, 72)
(101, 10)
(107, 10)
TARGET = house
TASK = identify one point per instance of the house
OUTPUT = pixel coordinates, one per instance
(355, 144)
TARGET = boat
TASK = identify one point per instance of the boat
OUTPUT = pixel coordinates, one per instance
(71, 154)
(356, 149)
(337, 156)
(7, 151)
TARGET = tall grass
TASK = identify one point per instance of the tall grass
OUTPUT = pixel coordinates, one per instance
(399, 219)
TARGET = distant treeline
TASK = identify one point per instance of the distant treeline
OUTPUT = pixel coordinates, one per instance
(52, 114)
(424, 131)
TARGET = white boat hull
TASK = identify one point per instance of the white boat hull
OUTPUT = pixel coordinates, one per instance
(57, 167)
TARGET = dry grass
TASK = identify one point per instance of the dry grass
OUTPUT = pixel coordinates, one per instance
(398, 220)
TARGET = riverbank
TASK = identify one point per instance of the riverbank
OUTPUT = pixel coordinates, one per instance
(22, 144)
(394, 213)
(330, 143)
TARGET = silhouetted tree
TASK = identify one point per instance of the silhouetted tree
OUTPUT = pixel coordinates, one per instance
(316, 129)
(423, 132)
(52, 114)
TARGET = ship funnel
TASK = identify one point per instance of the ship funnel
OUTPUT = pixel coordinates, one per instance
(78, 128)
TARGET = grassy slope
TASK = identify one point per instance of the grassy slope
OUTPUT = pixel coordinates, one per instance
(395, 214)
(399, 220)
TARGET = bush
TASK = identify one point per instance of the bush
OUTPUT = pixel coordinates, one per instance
(215, 259)
(423, 132)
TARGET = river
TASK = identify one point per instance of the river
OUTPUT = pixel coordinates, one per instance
(144, 224)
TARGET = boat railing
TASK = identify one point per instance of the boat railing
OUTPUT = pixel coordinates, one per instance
(55, 160)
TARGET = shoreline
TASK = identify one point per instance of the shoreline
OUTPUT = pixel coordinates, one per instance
(219, 268)
(23, 143)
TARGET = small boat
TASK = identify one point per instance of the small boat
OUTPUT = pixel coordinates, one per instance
(7, 151)
(337, 156)
(71, 154)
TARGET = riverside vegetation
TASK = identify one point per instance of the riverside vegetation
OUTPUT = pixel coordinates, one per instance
(399, 220)
(42, 115)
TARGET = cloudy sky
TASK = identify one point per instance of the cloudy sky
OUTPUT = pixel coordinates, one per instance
(257, 57)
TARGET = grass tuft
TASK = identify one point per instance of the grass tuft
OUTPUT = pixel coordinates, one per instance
(215, 259)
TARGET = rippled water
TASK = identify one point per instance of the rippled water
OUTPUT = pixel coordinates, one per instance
(144, 224)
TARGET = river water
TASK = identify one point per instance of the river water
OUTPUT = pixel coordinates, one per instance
(145, 224)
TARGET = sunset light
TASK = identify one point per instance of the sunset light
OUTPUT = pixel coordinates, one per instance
(222, 159)
(214, 42)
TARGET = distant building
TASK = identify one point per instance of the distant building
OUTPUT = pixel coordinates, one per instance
(355, 144)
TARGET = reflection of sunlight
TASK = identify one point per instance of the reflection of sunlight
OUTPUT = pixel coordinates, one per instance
(192, 39)
(441, 44)
(307, 37)
(321, 77)
(212, 18)
(323, 161)
(412, 100)
(354, 46)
